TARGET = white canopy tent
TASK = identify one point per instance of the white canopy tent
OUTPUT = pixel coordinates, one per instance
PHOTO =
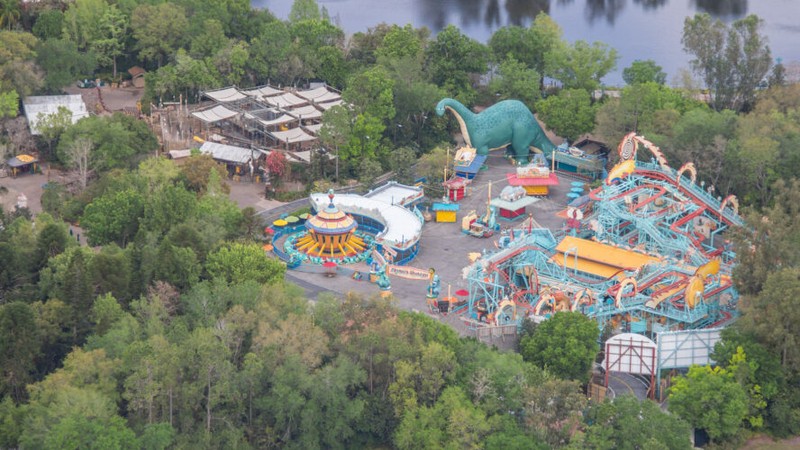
(225, 95)
(320, 95)
(292, 136)
(306, 112)
(215, 114)
(262, 91)
(286, 100)
(328, 105)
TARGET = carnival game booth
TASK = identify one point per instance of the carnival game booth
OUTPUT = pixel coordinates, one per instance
(512, 202)
(445, 212)
(467, 163)
(536, 179)
(456, 188)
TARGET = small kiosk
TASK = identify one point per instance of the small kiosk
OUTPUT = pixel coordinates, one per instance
(467, 163)
(456, 188)
(535, 178)
(512, 202)
(445, 212)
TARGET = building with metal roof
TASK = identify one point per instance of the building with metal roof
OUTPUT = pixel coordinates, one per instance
(38, 107)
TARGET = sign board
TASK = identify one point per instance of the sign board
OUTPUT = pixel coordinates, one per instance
(680, 349)
(631, 353)
(409, 273)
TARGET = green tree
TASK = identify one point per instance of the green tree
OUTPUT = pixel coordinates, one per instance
(49, 24)
(167, 207)
(553, 410)
(402, 161)
(731, 61)
(9, 104)
(83, 22)
(569, 114)
(451, 59)
(582, 65)
(711, 399)
(453, 422)
(644, 71)
(772, 317)
(110, 42)
(236, 263)
(159, 30)
(401, 42)
(196, 172)
(565, 344)
(18, 69)
(370, 93)
(111, 272)
(516, 81)
(177, 266)
(10, 13)
(64, 63)
(304, 10)
(76, 432)
(701, 136)
(51, 126)
(113, 217)
(52, 241)
(19, 348)
(628, 423)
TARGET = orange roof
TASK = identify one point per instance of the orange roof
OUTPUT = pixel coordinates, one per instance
(599, 259)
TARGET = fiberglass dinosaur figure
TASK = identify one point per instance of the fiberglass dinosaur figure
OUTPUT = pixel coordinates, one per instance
(504, 123)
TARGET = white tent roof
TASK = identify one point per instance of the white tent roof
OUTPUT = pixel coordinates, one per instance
(306, 112)
(215, 114)
(292, 136)
(224, 95)
(262, 91)
(49, 104)
(228, 153)
(286, 100)
(329, 105)
(283, 118)
(320, 95)
(313, 128)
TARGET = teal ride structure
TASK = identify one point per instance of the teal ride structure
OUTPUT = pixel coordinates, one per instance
(650, 255)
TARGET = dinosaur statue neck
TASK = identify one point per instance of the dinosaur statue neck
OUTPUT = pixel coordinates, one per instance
(464, 116)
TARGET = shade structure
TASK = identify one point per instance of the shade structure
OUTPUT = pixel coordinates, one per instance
(280, 223)
(462, 292)
(291, 220)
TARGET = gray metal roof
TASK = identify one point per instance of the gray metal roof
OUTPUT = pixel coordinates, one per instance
(228, 153)
(40, 106)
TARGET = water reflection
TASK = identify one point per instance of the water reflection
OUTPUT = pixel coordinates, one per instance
(604, 9)
(723, 9)
(649, 5)
(522, 12)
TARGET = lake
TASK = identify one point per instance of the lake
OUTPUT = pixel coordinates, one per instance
(637, 29)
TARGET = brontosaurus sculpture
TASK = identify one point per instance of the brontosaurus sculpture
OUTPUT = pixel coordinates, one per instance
(504, 123)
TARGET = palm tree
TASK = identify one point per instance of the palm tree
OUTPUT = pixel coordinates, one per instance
(10, 12)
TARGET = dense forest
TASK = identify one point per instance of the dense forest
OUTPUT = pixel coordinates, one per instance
(173, 329)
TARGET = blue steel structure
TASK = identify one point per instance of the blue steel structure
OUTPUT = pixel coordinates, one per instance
(649, 209)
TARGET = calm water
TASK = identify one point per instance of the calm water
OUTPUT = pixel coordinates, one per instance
(637, 29)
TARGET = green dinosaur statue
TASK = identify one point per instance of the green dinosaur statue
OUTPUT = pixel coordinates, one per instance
(504, 123)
